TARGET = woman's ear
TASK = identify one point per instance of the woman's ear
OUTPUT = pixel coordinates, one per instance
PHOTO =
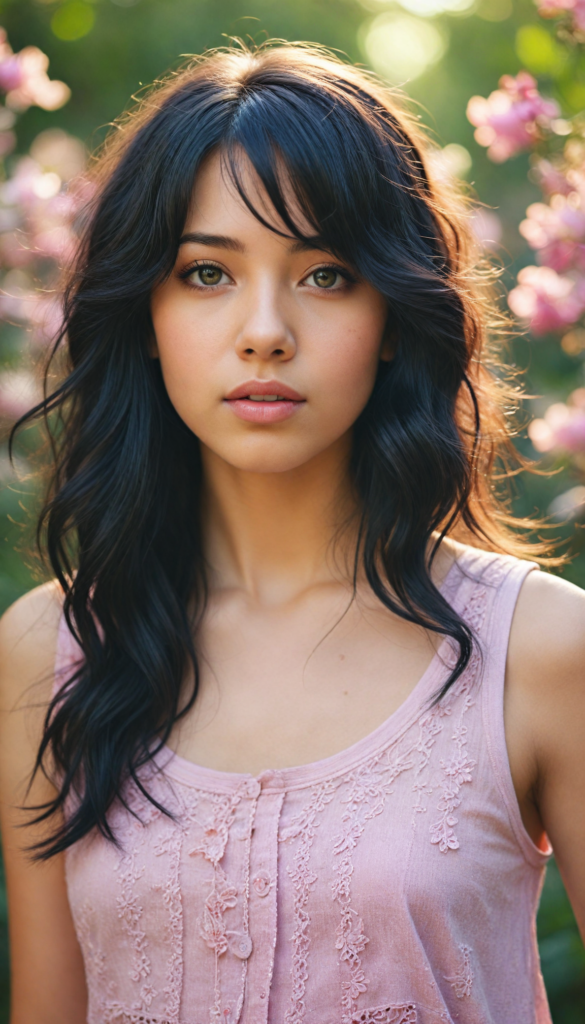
(152, 346)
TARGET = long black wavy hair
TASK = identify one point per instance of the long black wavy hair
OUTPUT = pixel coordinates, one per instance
(118, 524)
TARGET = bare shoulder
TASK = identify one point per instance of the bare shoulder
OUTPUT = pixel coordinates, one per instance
(545, 676)
(547, 640)
(28, 641)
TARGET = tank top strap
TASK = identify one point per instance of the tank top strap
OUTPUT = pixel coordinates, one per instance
(505, 575)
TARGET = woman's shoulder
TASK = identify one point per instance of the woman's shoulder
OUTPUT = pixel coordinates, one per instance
(547, 634)
(28, 642)
(548, 629)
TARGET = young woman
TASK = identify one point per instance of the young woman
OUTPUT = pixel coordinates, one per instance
(314, 725)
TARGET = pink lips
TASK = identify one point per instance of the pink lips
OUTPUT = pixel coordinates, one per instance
(246, 408)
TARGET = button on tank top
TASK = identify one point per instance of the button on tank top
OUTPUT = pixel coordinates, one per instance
(392, 883)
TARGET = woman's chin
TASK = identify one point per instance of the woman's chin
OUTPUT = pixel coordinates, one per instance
(254, 456)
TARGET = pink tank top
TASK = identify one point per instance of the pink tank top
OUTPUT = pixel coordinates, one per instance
(393, 883)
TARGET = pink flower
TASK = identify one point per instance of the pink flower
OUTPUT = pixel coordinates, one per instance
(11, 73)
(34, 87)
(568, 505)
(553, 8)
(7, 143)
(23, 187)
(562, 426)
(512, 118)
(487, 228)
(19, 391)
(57, 243)
(45, 316)
(551, 178)
(546, 300)
(557, 232)
(24, 78)
(15, 250)
(56, 150)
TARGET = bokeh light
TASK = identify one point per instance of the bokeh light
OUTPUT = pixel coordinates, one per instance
(424, 8)
(401, 47)
(73, 21)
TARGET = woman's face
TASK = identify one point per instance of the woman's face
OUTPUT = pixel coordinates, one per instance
(268, 349)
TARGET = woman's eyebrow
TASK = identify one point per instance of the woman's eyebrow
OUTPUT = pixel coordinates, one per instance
(225, 242)
(218, 241)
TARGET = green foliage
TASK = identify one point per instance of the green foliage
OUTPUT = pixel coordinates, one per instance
(561, 952)
(107, 50)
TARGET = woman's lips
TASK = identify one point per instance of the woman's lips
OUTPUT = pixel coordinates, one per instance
(263, 412)
(272, 401)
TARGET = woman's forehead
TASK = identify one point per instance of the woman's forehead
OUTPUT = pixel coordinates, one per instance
(217, 199)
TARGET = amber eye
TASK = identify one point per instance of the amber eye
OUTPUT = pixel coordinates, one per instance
(325, 277)
(209, 275)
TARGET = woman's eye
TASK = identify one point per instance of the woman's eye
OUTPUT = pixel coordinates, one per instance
(325, 277)
(207, 275)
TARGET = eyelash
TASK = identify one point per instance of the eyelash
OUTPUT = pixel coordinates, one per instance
(198, 264)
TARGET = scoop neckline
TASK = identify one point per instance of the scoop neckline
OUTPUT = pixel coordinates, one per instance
(301, 776)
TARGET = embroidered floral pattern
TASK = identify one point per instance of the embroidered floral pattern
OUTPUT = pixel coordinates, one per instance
(303, 827)
(430, 726)
(170, 846)
(216, 830)
(130, 913)
(433, 748)
(458, 769)
(223, 896)
(368, 787)
(461, 981)
(116, 1014)
(405, 1014)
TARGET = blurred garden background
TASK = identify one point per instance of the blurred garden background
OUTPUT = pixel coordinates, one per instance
(500, 85)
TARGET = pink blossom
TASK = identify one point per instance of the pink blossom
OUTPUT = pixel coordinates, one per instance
(512, 118)
(557, 232)
(11, 73)
(568, 505)
(17, 304)
(19, 391)
(35, 87)
(487, 228)
(45, 315)
(24, 78)
(15, 250)
(55, 150)
(7, 143)
(23, 187)
(546, 300)
(57, 243)
(551, 178)
(552, 9)
(562, 427)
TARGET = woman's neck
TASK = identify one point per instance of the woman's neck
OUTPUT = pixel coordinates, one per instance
(272, 533)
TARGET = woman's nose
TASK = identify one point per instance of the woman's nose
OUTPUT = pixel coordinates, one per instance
(266, 334)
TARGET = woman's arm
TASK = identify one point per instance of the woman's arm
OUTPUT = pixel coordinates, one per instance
(545, 720)
(48, 982)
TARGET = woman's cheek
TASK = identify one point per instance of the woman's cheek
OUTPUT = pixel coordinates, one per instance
(348, 375)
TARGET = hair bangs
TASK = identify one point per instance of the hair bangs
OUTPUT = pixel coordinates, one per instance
(312, 159)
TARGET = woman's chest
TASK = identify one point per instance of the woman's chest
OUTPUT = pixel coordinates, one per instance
(276, 889)
(278, 691)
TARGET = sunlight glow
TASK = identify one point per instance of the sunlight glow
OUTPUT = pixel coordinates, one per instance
(400, 47)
